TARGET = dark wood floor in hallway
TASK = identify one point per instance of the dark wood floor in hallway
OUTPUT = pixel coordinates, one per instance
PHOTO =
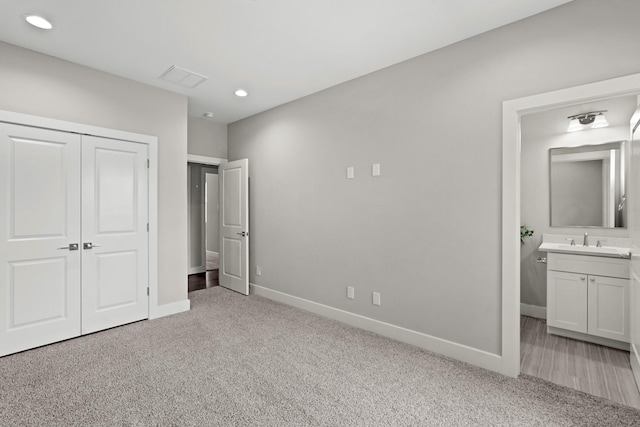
(203, 280)
(595, 369)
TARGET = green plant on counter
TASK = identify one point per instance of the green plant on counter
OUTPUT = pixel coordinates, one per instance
(525, 232)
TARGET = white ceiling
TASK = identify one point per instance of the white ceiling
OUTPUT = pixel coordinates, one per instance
(278, 50)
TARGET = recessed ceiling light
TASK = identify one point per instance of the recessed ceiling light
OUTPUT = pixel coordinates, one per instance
(241, 93)
(38, 21)
(208, 115)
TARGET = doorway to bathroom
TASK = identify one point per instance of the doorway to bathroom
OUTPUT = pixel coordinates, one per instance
(516, 196)
(571, 183)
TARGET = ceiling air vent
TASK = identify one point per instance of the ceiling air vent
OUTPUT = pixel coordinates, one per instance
(182, 77)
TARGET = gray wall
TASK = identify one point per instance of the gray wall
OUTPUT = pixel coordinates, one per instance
(196, 209)
(213, 234)
(206, 138)
(41, 85)
(427, 233)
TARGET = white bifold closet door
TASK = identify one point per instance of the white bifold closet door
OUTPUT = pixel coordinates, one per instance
(73, 235)
(115, 253)
(40, 298)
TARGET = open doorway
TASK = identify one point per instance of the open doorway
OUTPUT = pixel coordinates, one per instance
(203, 239)
(564, 176)
(513, 113)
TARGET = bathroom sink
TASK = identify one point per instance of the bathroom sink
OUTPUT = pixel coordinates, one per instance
(606, 251)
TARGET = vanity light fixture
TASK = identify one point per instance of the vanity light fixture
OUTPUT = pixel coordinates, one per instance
(241, 93)
(39, 22)
(593, 119)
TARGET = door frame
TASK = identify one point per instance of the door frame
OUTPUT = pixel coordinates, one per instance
(206, 161)
(190, 223)
(512, 111)
(155, 309)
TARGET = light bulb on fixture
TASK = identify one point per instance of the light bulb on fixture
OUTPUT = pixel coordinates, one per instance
(600, 122)
(574, 126)
(241, 93)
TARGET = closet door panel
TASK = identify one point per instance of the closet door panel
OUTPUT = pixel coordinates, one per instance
(39, 220)
(114, 233)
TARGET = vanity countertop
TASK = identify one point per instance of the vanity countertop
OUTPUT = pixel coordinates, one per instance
(560, 244)
(605, 251)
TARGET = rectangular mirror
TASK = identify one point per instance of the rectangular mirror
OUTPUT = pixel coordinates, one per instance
(587, 186)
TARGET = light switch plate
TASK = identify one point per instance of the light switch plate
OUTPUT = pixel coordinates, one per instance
(350, 292)
(375, 169)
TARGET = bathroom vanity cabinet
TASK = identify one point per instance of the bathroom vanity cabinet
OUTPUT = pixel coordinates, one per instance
(588, 298)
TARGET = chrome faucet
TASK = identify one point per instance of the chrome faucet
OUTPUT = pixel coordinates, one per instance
(586, 240)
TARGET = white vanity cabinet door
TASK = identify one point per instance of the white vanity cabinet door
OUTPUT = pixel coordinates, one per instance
(609, 307)
(567, 300)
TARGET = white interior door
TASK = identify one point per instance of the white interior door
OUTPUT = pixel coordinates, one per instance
(633, 217)
(114, 233)
(39, 220)
(233, 180)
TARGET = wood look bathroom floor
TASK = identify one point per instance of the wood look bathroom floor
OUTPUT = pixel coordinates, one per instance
(592, 368)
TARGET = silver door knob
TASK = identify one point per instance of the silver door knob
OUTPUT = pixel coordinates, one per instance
(89, 245)
(71, 247)
(243, 234)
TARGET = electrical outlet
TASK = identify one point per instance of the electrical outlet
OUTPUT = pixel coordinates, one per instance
(258, 271)
(376, 298)
(350, 292)
(375, 169)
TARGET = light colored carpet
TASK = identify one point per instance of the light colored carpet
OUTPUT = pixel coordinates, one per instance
(248, 361)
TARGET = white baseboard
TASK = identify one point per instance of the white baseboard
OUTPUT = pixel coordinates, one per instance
(196, 270)
(457, 351)
(169, 309)
(533, 311)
